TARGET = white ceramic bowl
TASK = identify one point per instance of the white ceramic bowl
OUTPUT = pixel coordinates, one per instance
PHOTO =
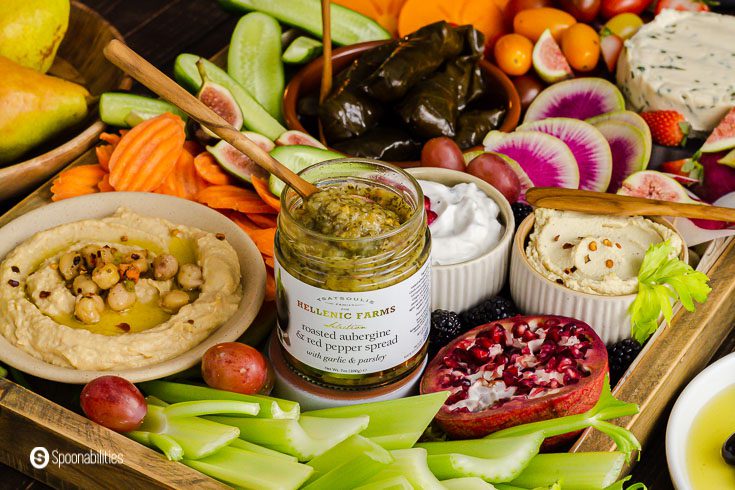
(535, 294)
(703, 388)
(458, 287)
(170, 208)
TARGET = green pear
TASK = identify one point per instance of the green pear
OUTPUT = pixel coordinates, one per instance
(35, 107)
(31, 31)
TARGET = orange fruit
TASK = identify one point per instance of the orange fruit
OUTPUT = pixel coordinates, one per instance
(580, 44)
(533, 22)
(513, 54)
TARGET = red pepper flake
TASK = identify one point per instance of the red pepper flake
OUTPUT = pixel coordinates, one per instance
(559, 281)
(567, 246)
(14, 283)
(124, 238)
(15, 269)
(190, 321)
(124, 327)
(44, 294)
(220, 236)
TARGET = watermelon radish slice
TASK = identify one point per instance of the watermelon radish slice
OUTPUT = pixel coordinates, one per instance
(627, 147)
(588, 146)
(723, 136)
(579, 98)
(629, 117)
(548, 60)
(546, 160)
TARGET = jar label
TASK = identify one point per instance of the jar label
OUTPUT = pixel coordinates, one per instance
(353, 333)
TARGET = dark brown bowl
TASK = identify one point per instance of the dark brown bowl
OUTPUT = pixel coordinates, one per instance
(307, 81)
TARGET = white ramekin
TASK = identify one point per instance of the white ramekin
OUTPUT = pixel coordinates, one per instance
(700, 391)
(535, 294)
(458, 287)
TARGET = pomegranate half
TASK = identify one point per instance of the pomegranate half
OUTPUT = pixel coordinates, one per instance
(515, 371)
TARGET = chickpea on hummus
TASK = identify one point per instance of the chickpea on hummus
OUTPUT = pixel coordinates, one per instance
(591, 253)
(115, 293)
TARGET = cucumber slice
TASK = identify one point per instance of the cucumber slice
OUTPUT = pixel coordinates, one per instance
(297, 158)
(348, 26)
(255, 117)
(254, 60)
(500, 462)
(123, 110)
(302, 50)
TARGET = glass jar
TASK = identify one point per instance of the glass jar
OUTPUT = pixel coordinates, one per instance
(354, 312)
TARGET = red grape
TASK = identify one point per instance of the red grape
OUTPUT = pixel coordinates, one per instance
(528, 87)
(495, 171)
(113, 402)
(237, 367)
(442, 152)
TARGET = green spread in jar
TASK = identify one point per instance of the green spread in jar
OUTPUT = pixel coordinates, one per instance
(353, 211)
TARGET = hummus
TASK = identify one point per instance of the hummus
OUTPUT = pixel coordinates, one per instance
(37, 303)
(591, 253)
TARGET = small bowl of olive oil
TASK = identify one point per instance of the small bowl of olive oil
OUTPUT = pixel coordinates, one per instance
(701, 422)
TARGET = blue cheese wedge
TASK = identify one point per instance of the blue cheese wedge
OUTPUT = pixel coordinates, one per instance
(683, 61)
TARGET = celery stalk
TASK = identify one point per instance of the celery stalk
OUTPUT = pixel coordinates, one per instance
(254, 448)
(493, 460)
(246, 469)
(178, 392)
(620, 484)
(576, 471)
(211, 407)
(167, 445)
(197, 437)
(505, 486)
(467, 483)
(399, 482)
(411, 464)
(305, 438)
(394, 424)
(607, 407)
(348, 464)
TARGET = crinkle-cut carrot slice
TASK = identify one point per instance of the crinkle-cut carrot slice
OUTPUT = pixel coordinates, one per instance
(183, 182)
(263, 220)
(208, 169)
(104, 152)
(270, 285)
(269, 261)
(110, 138)
(147, 154)
(265, 240)
(233, 197)
(261, 187)
(76, 181)
(104, 184)
(240, 219)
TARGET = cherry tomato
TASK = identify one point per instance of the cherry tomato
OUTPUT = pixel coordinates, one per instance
(237, 367)
(611, 8)
(113, 402)
(491, 168)
(528, 87)
(582, 10)
(515, 6)
(581, 47)
(513, 54)
(532, 23)
(442, 152)
(624, 25)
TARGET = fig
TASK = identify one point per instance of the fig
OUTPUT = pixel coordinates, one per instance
(580, 98)
(220, 100)
(653, 184)
(237, 163)
(516, 371)
(548, 60)
(723, 136)
(295, 137)
(495, 170)
(586, 143)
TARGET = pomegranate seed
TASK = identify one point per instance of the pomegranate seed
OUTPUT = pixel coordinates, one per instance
(497, 334)
(455, 397)
(551, 364)
(519, 329)
(563, 363)
(484, 342)
(554, 334)
(571, 375)
(431, 216)
(528, 336)
(427, 203)
(545, 352)
(552, 322)
(553, 384)
(479, 354)
(500, 360)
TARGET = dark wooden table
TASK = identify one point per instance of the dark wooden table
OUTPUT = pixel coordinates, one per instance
(161, 29)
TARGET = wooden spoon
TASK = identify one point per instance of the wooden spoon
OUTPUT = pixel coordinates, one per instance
(134, 65)
(614, 204)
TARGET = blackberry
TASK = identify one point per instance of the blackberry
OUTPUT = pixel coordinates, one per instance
(489, 310)
(520, 211)
(620, 355)
(445, 327)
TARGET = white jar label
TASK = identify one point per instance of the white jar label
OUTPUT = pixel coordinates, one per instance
(353, 333)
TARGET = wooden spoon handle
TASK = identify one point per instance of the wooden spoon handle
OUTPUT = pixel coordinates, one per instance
(137, 67)
(614, 204)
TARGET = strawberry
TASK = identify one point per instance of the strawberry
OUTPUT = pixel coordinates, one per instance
(685, 5)
(668, 128)
(687, 171)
